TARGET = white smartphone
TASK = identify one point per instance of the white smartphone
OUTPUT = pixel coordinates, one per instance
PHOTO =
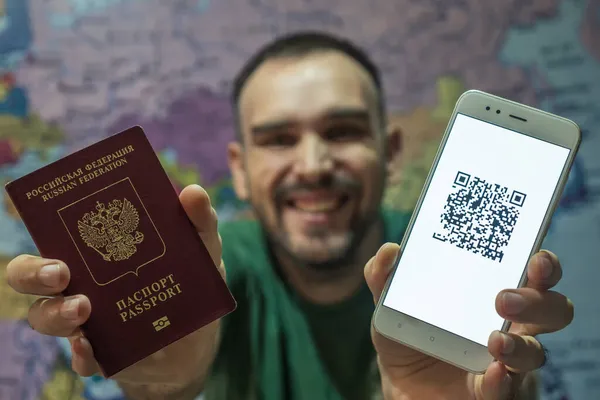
(484, 210)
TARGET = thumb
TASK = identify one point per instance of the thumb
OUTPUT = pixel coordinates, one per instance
(197, 205)
(378, 268)
(495, 384)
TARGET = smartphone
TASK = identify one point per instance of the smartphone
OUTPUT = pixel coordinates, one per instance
(484, 210)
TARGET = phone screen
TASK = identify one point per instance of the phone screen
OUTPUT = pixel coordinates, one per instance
(476, 227)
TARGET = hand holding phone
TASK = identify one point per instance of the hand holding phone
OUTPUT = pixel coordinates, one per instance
(483, 212)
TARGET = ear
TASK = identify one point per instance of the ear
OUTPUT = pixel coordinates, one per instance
(393, 151)
(237, 167)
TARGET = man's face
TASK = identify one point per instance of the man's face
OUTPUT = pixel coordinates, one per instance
(312, 163)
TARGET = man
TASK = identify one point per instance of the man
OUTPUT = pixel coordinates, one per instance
(312, 157)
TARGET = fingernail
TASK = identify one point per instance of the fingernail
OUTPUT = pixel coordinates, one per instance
(49, 275)
(70, 308)
(508, 344)
(545, 265)
(513, 303)
(393, 263)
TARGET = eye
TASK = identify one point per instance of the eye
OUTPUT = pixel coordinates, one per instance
(344, 133)
(278, 140)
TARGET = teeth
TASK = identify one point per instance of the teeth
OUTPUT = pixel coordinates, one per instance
(317, 206)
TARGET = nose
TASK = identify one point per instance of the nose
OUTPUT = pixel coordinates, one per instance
(314, 158)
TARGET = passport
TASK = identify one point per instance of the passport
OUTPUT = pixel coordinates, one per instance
(110, 212)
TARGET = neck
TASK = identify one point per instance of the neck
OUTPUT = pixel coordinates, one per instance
(332, 286)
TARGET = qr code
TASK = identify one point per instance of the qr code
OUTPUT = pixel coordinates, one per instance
(480, 216)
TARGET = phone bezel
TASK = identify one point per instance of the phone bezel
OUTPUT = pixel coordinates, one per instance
(430, 339)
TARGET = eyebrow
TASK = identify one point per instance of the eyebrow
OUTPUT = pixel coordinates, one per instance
(333, 114)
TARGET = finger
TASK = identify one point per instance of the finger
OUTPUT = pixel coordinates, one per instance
(197, 205)
(378, 268)
(539, 312)
(519, 353)
(222, 271)
(495, 384)
(38, 276)
(82, 357)
(544, 270)
(59, 316)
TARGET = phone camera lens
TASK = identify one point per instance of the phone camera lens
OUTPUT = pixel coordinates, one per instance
(488, 108)
(497, 111)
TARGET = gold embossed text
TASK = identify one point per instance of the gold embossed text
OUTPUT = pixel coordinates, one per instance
(66, 182)
(148, 297)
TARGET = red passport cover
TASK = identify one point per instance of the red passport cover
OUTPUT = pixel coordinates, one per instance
(110, 212)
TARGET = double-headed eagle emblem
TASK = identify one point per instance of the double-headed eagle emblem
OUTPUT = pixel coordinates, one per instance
(111, 231)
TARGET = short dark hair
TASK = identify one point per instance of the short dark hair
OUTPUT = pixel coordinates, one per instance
(300, 44)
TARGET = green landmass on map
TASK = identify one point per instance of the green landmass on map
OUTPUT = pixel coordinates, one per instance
(220, 192)
(422, 130)
(31, 133)
(181, 175)
(64, 384)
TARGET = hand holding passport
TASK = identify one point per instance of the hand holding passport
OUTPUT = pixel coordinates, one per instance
(129, 272)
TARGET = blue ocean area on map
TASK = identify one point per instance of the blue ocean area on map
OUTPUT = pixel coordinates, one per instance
(75, 71)
(15, 103)
(203, 5)
(571, 75)
(576, 192)
(555, 52)
(14, 237)
(16, 35)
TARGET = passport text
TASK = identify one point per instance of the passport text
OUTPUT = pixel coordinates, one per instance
(148, 297)
(64, 183)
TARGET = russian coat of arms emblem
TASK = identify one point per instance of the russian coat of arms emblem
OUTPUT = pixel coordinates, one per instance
(111, 230)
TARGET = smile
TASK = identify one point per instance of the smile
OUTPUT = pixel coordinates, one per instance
(318, 203)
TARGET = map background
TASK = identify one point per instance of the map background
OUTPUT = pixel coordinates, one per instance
(75, 71)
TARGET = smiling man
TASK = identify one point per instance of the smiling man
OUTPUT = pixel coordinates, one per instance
(312, 157)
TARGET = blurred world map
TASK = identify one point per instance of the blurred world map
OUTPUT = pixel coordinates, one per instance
(76, 71)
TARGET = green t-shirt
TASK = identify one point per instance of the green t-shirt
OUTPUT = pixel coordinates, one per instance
(278, 346)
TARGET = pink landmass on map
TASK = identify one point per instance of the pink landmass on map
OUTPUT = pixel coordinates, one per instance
(26, 361)
(197, 125)
(590, 30)
(7, 153)
(134, 60)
